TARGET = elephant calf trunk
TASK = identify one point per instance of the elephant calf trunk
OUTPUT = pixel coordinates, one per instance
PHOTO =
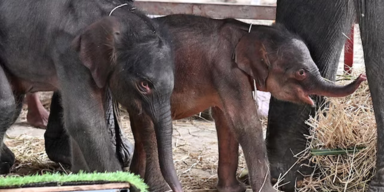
(329, 89)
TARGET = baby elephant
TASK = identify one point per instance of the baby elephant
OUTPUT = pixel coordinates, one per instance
(216, 63)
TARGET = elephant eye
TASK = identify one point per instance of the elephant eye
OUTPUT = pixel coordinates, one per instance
(300, 74)
(143, 87)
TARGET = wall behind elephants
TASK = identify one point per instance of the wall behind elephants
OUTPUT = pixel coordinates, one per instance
(252, 2)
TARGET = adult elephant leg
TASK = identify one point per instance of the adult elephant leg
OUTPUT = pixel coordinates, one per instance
(323, 26)
(228, 155)
(146, 160)
(84, 115)
(57, 140)
(8, 110)
(55, 137)
(7, 157)
(371, 16)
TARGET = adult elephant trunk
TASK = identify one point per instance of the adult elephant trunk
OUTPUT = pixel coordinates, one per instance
(163, 129)
(329, 89)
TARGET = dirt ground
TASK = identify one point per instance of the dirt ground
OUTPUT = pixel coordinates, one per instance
(194, 148)
(194, 144)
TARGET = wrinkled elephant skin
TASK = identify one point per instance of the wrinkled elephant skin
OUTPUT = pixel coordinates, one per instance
(323, 33)
(74, 47)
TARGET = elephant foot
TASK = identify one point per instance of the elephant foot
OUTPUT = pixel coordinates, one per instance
(293, 178)
(162, 188)
(154, 179)
(37, 120)
(376, 188)
(377, 183)
(7, 160)
(58, 149)
(5, 167)
(37, 115)
(270, 190)
(232, 187)
(239, 188)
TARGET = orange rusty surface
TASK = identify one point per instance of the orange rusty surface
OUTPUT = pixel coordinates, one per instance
(348, 52)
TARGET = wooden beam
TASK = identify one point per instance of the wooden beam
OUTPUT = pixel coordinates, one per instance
(217, 11)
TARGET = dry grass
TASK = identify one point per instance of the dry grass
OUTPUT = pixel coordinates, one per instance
(31, 158)
(347, 124)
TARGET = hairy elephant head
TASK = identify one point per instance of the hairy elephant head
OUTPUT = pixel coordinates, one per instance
(133, 57)
(281, 64)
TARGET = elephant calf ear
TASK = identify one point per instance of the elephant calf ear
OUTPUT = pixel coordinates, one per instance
(96, 48)
(250, 58)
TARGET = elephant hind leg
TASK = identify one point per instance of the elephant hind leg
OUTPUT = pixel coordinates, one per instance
(8, 113)
(57, 143)
(228, 155)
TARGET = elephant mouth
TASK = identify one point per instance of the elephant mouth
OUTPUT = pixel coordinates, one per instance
(305, 98)
(309, 101)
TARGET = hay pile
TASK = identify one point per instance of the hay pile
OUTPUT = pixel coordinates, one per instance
(348, 127)
(31, 158)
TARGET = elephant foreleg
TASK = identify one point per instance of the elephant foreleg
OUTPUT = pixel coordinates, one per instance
(145, 158)
(8, 111)
(244, 123)
(7, 157)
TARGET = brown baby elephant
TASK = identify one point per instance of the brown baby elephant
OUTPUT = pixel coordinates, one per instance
(216, 62)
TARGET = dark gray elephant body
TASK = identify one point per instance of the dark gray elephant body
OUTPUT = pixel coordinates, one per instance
(74, 47)
(36, 54)
(323, 26)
